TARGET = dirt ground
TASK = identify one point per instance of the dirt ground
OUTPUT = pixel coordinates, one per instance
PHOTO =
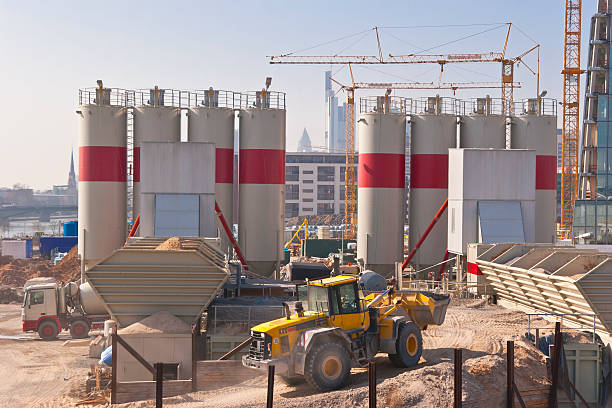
(45, 374)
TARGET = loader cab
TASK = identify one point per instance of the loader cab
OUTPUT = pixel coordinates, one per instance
(338, 297)
(39, 301)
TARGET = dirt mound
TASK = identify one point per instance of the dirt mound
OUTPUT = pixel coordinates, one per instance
(10, 295)
(171, 244)
(16, 272)
(331, 219)
(160, 322)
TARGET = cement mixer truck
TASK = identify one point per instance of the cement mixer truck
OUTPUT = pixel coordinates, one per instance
(50, 307)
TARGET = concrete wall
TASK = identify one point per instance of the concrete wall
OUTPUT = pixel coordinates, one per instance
(487, 174)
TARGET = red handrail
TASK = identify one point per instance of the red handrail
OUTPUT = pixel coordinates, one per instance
(230, 236)
(134, 228)
(427, 231)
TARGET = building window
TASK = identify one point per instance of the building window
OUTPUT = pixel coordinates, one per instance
(306, 208)
(307, 200)
(325, 208)
(326, 173)
(292, 191)
(307, 190)
(292, 173)
(307, 181)
(307, 172)
(292, 210)
(325, 192)
(343, 170)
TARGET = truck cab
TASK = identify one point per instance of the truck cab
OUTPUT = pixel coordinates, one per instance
(335, 328)
(39, 310)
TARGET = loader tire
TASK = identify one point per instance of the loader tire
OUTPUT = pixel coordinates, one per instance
(328, 366)
(409, 346)
(79, 329)
(48, 330)
(292, 381)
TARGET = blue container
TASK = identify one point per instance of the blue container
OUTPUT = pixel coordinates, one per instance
(60, 244)
(107, 356)
(71, 229)
(29, 248)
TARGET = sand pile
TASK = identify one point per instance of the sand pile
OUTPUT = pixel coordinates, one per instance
(331, 219)
(10, 295)
(171, 244)
(16, 272)
(160, 322)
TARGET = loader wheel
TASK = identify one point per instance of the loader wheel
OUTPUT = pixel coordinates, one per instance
(292, 381)
(48, 330)
(328, 366)
(79, 329)
(409, 346)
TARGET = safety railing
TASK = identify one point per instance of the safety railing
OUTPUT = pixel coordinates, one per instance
(104, 96)
(533, 106)
(213, 98)
(434, 105)
(162, 97)
(383, 104)
(261, 99)
(481, 106)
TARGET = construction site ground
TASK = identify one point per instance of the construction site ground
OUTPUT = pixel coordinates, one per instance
(50, 374)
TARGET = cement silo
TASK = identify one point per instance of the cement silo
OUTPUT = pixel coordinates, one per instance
(102, 174)
(153, 122)
(261, 212)
(214, 122)
(433, 132)
(381, 182)
(484, 126)
(535, 128)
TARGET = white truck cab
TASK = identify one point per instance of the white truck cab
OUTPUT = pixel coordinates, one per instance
(39, 311)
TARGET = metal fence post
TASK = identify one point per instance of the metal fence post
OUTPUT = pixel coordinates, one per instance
(114, 351)
(159, 383)
(458, 380)
(556, 360)
(509, 374)
(270, 400)
(372, 384)
(537, 338)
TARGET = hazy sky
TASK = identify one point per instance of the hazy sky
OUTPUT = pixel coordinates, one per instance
(49, 49)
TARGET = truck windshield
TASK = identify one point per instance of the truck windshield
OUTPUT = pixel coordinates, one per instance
(317, 299)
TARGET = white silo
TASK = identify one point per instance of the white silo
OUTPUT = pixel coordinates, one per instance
(381, 198)
(484, 126)
(214, 123)
(433, 132)
(261, 210)
(535, 131)
(102, 176)
(152, 123)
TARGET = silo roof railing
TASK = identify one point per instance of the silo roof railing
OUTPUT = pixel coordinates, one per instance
(138, 280)
(108, 96)
(552, 280)
(547, 107)
(383, 104)
(165, 97)
(213, 98)
(261, 99)
(481, 106)
(435, 105)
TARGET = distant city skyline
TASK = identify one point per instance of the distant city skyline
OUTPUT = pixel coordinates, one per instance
(50, 49)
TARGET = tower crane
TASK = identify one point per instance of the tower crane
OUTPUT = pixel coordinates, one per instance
(571, 115)
(507, 85)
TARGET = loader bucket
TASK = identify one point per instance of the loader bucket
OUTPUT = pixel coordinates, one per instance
(431, 309)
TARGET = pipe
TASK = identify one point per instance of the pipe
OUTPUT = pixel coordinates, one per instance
(441, 271)
(426, 233)
(134, 228)
(230, 236)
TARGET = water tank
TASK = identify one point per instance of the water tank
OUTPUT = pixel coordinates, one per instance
(216, 125)
(431, 137)
(381, 198)
(152, 124)
(261, 212)
(539, 133)
(102, 180)
(484, 127)
(71, 229)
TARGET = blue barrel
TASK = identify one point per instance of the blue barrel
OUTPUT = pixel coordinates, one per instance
(107, 356)
(71, 229)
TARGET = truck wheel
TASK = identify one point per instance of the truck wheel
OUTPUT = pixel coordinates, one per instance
(409, 346)
(79, 329)
(292, 381)
(328, 366)
(48, 330)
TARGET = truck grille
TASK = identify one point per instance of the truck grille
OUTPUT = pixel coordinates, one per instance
(259, 346)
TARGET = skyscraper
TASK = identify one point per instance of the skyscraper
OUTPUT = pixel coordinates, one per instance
(335, 123)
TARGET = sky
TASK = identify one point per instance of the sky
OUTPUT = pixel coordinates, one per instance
(50, 49)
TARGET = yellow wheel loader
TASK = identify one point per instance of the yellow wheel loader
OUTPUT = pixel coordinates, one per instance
(335, 327)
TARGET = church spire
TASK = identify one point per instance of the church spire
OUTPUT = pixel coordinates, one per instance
(71, 175)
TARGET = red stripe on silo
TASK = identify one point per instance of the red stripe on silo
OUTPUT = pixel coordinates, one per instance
(429, 171)
(473, 269)
(262, 166)
(224, 165)
(381, 170)
(137, 164)
(546, 172)
(103, 163)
